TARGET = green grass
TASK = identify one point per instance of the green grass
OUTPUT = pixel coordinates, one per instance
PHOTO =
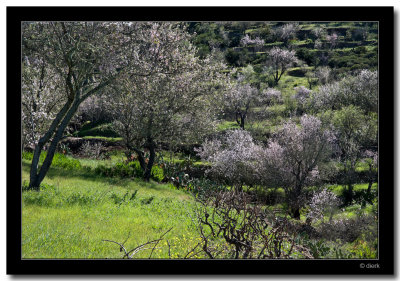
(227, 125)
(78, 209)
(115, 157)
(338, 189)
(59, 160)
(287, 83)
(110, 139)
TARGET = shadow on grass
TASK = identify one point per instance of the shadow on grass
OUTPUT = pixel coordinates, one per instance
(56, 172)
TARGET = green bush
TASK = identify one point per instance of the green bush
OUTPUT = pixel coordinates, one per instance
(157, 173)
(363, 249)
(43, 186)
(62, 161)
(27, 155)
(306, 55)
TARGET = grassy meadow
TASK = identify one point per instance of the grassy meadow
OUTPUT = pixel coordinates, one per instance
(76, 210)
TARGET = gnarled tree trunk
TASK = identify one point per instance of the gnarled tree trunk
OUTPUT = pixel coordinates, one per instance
(56, 131)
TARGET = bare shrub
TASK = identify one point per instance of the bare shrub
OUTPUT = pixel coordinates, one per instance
(149, 245)
(96, 150)
(231, 226)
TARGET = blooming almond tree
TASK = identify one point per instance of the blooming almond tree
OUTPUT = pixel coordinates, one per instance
(42, 96)
(232, 157)
(323, 74)
(360, 90)
(332, 39)
(271, 96)
(279, 60)
(287, 32)
(319, 32)
(292, 158)
(256, 42)
(171, 107)
(302, 97)
(246, 40)
(239, 99)
(323, 202)
(83, 58)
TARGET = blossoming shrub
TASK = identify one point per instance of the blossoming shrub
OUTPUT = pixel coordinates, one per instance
(323, 203)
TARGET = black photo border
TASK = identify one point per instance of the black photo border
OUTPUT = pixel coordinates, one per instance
(383, 265)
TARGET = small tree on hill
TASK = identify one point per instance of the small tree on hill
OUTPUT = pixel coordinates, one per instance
(257, 43)
(287, 32)
(332, 40)
(239, 99)
(279, 60)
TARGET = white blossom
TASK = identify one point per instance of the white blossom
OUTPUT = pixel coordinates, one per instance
(233, 157)
(322, 202)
